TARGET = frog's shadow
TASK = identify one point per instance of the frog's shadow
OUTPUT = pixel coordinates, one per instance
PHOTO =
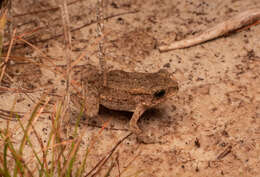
(149, 114)
(122, 118)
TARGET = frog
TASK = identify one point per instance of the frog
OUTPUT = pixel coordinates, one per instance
(124, 91)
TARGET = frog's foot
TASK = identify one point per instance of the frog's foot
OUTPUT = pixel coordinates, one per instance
(135, 129)
(145, 139)
(141, 138)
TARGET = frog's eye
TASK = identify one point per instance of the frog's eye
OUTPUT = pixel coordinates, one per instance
(159, 93)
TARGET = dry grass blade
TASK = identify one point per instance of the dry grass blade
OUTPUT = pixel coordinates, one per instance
(10, 116)
(68, 47)
(20, 164)
(110, 169)
(129, 164)
(45, 10)
(44, 154)
(105, 159)
(34, 116)
(19, 161)
(86, 25)
(24, 34)
(16, 90)
(71, 157)
(117, 164)
(2, 27)
(7, 56)
(38, 50)
(100, 31)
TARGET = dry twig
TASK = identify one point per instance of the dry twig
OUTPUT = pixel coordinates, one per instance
(224, 153)
(238, 21)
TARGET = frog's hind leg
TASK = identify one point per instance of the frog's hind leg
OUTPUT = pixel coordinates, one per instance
(91, 102)
(88, 102)
(140, 109)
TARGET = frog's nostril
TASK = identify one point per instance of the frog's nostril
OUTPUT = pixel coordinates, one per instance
(159, 94)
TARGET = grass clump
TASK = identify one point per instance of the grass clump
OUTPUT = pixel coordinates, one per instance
(56, 157)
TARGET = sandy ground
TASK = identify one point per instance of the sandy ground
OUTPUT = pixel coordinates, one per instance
(212, 126)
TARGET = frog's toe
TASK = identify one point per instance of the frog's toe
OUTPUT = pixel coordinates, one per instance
(144, 139)
(141, 138)
(135, 129)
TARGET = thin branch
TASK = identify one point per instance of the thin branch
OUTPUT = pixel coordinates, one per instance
(238, 21)
(224, 153)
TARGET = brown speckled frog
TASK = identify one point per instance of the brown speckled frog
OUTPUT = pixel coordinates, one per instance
(125, 91)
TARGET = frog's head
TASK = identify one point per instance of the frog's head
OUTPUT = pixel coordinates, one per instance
(164, 86)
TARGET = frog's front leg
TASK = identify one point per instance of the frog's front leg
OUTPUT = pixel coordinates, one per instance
(139, 110)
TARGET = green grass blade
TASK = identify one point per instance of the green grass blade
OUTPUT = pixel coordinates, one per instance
(83, 166)
(16, 157)
(80, 171)
(54, 129)
(73, 144)
(5, 170)
(28, 127)
(2, 173)
(109, 170)
(18, 161)
(73, 158)
(30, 144)
(19, 166)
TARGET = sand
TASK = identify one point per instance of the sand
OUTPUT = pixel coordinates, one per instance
(212, 126)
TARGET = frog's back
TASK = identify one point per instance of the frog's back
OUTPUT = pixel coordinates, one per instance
(125, 90)
(136, 82)
(87, 74)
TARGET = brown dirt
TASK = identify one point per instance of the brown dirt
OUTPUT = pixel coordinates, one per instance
(211, 128)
